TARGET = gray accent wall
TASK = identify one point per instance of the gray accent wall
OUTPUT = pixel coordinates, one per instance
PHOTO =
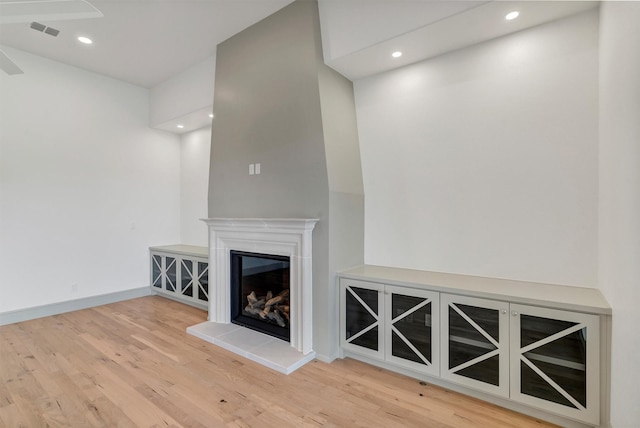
(276, 103)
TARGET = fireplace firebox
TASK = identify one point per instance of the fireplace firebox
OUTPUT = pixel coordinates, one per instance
(260, 291)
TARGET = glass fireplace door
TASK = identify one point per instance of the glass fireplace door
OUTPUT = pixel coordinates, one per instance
(260, 294)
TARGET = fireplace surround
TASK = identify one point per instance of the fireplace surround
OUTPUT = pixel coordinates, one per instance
(290, 238)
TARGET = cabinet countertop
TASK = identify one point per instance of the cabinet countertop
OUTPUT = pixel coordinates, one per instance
(185, 250)
(581, 299)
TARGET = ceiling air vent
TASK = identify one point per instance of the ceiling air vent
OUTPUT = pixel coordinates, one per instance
(52, 31)
(44, 29)
(38, 26)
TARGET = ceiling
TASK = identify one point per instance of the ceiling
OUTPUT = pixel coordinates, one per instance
(144, 42)
(422, 29)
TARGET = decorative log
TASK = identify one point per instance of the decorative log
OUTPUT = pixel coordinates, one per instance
(274, 301)
(254, 303)
(277, 318)
(284, 293)
(264, 312)
(252, 298)
(252, 311)
(270, 307)
(258, 305)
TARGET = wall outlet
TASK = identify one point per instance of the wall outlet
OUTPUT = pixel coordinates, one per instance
(252, 169)
(74, 288)
(257, 168)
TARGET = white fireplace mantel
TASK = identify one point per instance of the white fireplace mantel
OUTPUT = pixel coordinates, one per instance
(291, 237)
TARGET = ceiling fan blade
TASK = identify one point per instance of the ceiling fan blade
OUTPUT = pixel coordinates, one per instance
(15, 11)
(9, 66)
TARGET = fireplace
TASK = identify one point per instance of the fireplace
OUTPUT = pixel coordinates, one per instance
(278, 248)
(260, 292)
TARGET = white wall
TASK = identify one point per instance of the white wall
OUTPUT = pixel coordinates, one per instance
(85, 186)
(484, 161)
(619, 261)
(184, 93)
(194, 186)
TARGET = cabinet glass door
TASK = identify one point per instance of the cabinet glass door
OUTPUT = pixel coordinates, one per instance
(203, 281)
(475, 352)
(551, 357)
(156, 271)
(362, 306)
(186, 278)
(412, 328)
(553, 369)
(171, 273)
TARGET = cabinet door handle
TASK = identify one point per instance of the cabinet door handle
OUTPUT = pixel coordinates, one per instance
(514, 313)
(504, 311)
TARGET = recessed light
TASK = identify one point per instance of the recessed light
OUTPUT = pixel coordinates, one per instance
(85, 40)
(211, 115)
(396, 54)
(180, 126)
(512, 15)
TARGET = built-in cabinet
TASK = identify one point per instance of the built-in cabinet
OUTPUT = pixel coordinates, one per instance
(396, 324)
(546, 358)
(181, 272)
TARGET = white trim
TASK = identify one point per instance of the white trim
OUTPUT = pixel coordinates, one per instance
(199, 304)
(27, 314)
(326, 358)
(285, 237)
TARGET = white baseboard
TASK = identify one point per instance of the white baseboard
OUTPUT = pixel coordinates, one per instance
(27, 314)
(326, 358)
(186, 301)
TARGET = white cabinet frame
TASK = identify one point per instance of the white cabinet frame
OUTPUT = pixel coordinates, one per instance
(584, 322)
(430, 367)
(178, 258)
(449, 301)
(347, 292)
(161, 264)
(384, 320)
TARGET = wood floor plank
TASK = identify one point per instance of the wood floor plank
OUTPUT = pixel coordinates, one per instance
(132, 364)
(133, 404)
(10, 416)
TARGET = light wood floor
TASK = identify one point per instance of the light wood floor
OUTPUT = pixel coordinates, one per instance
(131, 364)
